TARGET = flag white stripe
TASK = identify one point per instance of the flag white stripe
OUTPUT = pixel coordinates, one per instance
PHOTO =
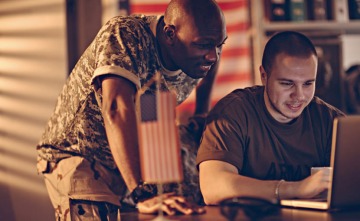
(235, 64)
(235, 15)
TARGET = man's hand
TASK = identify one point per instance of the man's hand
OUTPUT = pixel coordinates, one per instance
(313, 185)
(170, 203)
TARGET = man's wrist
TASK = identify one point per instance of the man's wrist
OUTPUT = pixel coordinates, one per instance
(277, 190)
(142, 191)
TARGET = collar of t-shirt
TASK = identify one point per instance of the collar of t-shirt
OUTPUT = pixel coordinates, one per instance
(164, 71)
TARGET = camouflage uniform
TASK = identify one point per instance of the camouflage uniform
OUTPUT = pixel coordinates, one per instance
(127, 47)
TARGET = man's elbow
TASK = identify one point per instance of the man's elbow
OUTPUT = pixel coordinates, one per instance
(109, 115)
(113, 112)
(215, 181)
(210, 200)
(210, 192)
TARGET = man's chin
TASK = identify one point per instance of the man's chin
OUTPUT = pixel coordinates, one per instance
(198, 75)
(292, 116)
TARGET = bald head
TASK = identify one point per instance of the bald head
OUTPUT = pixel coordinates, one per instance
(191, 36)
(180, 12)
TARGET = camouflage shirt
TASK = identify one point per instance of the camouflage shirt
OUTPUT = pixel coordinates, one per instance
(124, 46)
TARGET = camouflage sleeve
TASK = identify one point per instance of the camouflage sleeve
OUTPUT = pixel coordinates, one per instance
(118, 49)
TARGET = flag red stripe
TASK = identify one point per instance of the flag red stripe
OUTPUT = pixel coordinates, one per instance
(232, 5)
(234, 77)
(240, 26)
(159, 8)
(156, 8)
(235, 52)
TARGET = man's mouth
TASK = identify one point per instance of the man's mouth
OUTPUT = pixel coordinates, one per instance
(205, 67)
(294, 107)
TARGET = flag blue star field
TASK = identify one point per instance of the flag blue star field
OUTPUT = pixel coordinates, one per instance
(159, 138)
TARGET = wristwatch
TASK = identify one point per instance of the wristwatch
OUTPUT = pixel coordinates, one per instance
(142, 191)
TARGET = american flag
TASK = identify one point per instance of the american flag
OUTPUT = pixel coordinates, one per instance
(159, 138)
(235, 70)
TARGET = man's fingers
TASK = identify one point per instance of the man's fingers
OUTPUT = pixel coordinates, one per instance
(183, 206)
(169, 210)
(200, 210)
(177, 199)
(170, 204)
(180, 207)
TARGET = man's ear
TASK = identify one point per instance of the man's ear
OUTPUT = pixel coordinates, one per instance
(169, 31)
(263, 74)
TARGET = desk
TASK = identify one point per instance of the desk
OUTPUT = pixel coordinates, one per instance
(213, 213)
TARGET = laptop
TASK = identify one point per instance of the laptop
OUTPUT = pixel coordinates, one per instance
(344, 191)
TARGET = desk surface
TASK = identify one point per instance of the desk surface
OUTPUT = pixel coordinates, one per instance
(213, 213)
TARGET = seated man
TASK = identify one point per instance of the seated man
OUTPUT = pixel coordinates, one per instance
(262, 141)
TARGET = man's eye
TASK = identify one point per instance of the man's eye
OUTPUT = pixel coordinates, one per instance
(204, 46)
(286, 83)
(220, 45)
(309, 83)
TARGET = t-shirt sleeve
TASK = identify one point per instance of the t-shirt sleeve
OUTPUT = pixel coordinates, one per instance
(222, 139)
(118, 48)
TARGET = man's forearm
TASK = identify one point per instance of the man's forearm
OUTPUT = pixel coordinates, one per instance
(220, 180)
(123, 141)
(118, 110)
(227, 185)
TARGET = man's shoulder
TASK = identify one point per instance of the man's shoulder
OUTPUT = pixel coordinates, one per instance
(242, 98)
(134, 20)
(323, 104)
(244, 94)
(317, 104)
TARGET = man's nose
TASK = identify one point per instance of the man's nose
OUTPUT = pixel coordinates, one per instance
(299, 93)
(213, 55)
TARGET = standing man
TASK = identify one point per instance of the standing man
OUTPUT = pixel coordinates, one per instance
(89, 150)
(262, 141)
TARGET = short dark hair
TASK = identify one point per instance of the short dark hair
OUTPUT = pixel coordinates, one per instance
(289, 42)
